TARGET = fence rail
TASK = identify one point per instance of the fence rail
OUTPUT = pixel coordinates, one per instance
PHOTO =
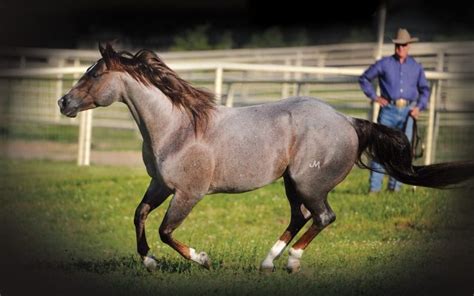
(33, 82)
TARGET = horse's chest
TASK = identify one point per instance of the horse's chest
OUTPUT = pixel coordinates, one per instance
(150, 161)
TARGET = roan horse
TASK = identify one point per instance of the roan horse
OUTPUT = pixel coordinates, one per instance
(192, 147)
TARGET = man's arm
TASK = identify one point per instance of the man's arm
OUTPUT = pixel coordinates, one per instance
(423, 89)
(365, 80)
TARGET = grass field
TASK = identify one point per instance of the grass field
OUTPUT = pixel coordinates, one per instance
(103, 139)
(69, 230)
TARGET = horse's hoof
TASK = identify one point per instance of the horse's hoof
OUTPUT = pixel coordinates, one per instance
(267, 269)
(201, 258)
(204, 260)
(150, 263)
(294, 267)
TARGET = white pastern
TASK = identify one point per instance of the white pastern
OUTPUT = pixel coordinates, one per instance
(294, 259)
(150, 263)
(200, 258)
(194, 256)
(274, 253)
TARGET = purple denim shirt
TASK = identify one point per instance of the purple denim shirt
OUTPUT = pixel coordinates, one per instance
(397, 80)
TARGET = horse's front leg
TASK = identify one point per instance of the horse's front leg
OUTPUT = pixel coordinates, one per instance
(180, 207)
(155, 195)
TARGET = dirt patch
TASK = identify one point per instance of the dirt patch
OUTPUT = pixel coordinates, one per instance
(20, 149)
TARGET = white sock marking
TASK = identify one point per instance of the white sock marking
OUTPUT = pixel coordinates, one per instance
(194, 256)
(294, 258)
(150, 263)
(296, 253)
(274, 253)
(200, 258)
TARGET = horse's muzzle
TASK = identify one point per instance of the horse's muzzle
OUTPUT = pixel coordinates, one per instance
(67, 106)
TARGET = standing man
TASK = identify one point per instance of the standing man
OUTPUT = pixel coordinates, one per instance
(404, 93)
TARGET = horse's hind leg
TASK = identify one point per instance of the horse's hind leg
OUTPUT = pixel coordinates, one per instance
(154, 197)
(180, 207)
(299, 216)
(322, 216)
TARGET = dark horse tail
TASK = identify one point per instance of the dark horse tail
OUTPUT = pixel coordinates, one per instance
(392, 150)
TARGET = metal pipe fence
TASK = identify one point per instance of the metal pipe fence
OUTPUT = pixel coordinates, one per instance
(31, 126)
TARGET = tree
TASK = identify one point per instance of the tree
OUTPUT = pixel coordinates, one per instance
(272, 37)
(193, 39)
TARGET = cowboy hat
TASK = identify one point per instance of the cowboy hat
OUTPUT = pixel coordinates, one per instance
(403, 37)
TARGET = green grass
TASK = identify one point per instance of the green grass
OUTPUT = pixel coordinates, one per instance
(41, 131)
(74, 225)
(103, 139)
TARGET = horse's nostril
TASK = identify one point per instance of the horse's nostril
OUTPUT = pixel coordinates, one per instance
(62, 102)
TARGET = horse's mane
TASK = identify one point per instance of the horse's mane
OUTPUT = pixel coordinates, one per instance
(146, 67)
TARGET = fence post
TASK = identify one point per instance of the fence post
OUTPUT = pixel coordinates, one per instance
(285, 89)
(432, 110)
(297, 75)
(85, 135)
(88, 137)
(382, 12)
(80, 143)
(218, 84)
(59, 91)
(229, 102)
(85, 132)
(439, 68)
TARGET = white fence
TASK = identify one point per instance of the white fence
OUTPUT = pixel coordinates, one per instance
(328, 72)
(455, 54)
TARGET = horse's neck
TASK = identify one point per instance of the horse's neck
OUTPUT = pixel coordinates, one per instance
(153, 112)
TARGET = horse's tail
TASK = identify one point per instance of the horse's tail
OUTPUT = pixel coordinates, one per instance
(392, 150)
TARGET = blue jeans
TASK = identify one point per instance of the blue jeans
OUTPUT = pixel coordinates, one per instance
(397, 118)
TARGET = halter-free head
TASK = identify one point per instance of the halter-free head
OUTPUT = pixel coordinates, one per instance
(104, 83)
(99, 86)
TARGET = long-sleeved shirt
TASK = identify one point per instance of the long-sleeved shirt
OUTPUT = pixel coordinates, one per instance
(406, 81)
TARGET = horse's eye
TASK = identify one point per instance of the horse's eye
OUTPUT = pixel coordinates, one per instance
(95, 75)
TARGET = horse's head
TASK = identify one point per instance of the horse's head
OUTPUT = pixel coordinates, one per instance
(100, 86)
(110, 78)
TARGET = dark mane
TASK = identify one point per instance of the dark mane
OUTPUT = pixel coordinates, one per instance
(146, 67)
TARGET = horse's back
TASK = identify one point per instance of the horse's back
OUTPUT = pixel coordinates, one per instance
(256, 145)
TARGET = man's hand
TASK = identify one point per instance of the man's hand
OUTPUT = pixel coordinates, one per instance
(415, 112)
(382, 101)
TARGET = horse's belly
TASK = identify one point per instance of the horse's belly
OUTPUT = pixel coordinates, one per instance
(246, 173)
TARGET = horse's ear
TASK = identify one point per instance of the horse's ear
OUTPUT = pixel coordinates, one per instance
(109, 49)
(106, 50)
(107, 53)
(101, 49)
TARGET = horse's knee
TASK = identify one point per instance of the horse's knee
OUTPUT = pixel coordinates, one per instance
(141, 213)
(165, 234)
